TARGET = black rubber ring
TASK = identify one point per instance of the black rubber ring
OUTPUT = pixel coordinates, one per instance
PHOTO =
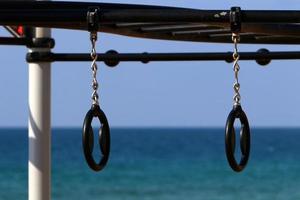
(88, 138)
(237, 113)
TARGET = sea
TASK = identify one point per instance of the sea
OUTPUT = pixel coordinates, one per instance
(159, 164)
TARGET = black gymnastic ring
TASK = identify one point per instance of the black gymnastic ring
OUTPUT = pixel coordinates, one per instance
(237, 112)
(88, 138)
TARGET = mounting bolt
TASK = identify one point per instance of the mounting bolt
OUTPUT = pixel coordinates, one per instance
(111, 62)
(145, 59)
(263, 61)
(229, 59)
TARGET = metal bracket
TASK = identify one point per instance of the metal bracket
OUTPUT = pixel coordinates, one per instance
(93, 16)
(235, 19)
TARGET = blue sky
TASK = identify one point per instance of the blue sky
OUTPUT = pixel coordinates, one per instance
(162, 94)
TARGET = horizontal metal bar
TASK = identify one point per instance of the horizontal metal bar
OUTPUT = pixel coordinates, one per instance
(29, 42)
(112, 58)
(13, 41)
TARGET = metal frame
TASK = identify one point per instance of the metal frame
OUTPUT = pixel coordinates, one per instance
(158, 22)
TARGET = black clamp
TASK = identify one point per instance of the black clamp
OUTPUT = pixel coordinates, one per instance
(40, 43)
(93, 18)
(33, 42)
(235, 19)
(33, 57)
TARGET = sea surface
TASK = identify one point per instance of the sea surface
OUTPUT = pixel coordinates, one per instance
(160, 164)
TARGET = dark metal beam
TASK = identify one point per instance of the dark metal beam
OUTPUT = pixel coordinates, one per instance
(52, 14)
(34, 42)
(13, 41)
(112, 58)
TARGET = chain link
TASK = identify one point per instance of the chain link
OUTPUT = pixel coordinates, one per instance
(236, 69)
(94, 67)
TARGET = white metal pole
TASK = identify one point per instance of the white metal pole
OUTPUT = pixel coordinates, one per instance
(39, 129)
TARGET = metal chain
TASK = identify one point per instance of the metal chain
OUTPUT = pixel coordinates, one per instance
(94, 56)
(236, 69)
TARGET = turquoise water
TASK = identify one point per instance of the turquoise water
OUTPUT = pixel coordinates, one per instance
(160, 164)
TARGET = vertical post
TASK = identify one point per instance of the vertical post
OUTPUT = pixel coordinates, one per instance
(39, 130)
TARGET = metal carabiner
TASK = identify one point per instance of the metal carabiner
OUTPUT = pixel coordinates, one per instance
(237, 113)
(88, 138)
